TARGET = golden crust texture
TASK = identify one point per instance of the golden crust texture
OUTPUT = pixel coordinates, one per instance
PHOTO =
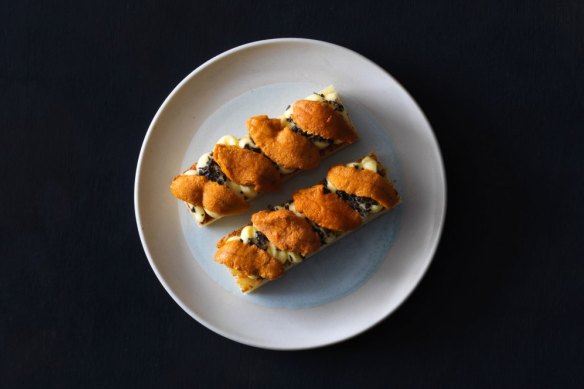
(189, 188)
(326, 209)
(287, 231)
(246, 167)
(364, 183)
(202, 192)
(317, 117)
(222, 200)
(249, 260)
(283, 146)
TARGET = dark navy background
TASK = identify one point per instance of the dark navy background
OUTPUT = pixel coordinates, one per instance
(502, 84)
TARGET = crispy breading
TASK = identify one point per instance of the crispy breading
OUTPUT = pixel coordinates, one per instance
(202, 192)
(287, 231)
(326, 209)
(283, 146)
(364, 183)
(222, 200)
(317, 117)
(249, 260)
(246, 167)
(189, 188)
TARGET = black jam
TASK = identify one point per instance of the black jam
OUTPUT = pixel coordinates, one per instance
(320, 234)
(360, 204)
(251, 148)
(260, 240)
(212, 171)
(323, 233)
(312, 137)
(337, 106)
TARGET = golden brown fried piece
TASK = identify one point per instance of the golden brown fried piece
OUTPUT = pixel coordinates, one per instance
(249, 260)
(326, 209)
(283, 146)
(364, 183)
(317, 117)
(202, 192)
(246, 167)
(189, 188)
(222, 200)
(287, 231)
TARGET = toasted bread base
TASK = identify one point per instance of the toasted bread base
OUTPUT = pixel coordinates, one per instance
(248, 285)
(327, 153)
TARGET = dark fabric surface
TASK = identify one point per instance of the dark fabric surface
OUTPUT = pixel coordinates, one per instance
(502, 84)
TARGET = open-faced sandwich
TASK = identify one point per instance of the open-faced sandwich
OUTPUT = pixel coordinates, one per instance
(281, 237)
(223, 181)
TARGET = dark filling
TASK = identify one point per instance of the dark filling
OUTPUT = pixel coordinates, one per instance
(378, 172)
(260, 240)
(312, 137)
(360, 204)
(212, 171)
(337, 106)
(286, 205)
(254, 149)
(322, 232)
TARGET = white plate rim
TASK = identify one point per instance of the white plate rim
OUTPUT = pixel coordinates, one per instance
(202, 320)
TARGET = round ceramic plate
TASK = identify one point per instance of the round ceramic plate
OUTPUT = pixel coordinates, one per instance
(346, 288)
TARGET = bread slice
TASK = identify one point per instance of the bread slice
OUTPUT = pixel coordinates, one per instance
(273, 152)
(314, 219)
